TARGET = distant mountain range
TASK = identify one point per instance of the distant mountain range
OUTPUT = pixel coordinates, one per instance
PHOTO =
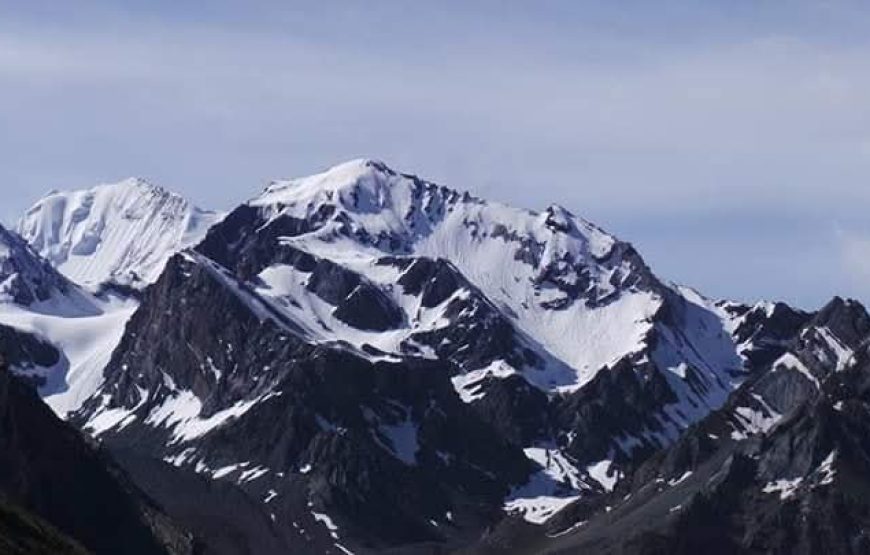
(362, 361)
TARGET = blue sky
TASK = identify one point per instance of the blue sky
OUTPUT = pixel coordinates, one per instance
(729, 141)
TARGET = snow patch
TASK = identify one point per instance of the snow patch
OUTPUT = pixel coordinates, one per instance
(785, 488)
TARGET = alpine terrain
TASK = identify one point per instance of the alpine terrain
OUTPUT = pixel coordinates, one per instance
(362, 361)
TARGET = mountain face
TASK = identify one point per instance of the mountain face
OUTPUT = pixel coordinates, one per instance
(53, 332)
(59, 494)
(384, 362)
(118, 234)
(382, 449)
(363, 361)
(71, 279)
(30, 281)
(781, 468)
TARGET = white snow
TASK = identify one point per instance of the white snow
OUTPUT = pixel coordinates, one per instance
(468, 386)
(123, 231)
(537, 509)
(755, 421)
(86, 341)
(841, 354)
(324, 519)
(826, 469)
(444, 224)
(116, 418)
(791, 362)
(785, 488)
(600, 471)
(224, 471)
(181, 412)
(556, 485)
(252, 474)
(681, 479)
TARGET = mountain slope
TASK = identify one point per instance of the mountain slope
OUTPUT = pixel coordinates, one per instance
(22, 533)
(54, 333)
(49, 470)
(781, 468)
(385, 448)
(433, 360)
(543, 296)
(121, 233)
(113, 240)
(30, 281)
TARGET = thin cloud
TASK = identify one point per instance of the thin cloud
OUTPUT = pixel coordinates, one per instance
(650, 134)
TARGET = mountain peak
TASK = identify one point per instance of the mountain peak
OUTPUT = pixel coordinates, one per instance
(132, 185)
(119, 232)
(846, 318)
(138, 184)
(337, 179)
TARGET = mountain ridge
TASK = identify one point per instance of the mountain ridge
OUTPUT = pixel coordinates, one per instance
(371, 312)
(351, 257)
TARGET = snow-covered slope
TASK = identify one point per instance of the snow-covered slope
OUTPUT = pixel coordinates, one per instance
(84, 341)
(29, 281)
(584, 296)
(118, 234)
(122, 232)
(54, 313)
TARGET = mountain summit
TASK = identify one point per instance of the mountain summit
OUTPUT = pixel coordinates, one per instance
(119, 233)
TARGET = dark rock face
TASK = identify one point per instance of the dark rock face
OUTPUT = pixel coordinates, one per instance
(26, 277)
(48, 470)
(23, 533)
(385, 448)
(778, 469)
(846, 319)
(433, 280)
(766, 333)
(358, 303)
(366, 394)
(519, 411)
(224, 519)
(474, 319)
(617, 403)
(26, 352)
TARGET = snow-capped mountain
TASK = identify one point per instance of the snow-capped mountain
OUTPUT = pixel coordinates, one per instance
(364, 360)
(121, 233)
(544, 338)
(112, 238)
